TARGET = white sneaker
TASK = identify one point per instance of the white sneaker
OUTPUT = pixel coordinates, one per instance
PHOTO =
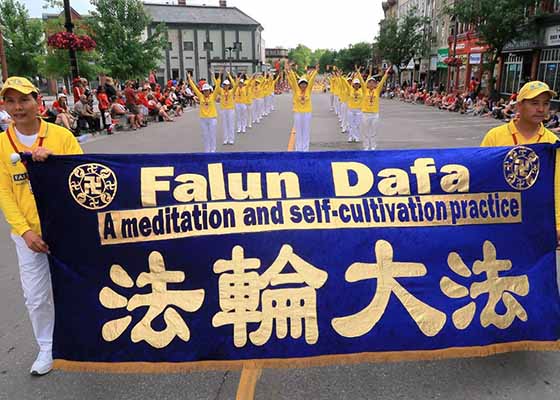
(225, 142)
(243, 131)
(231, 142)
(239, 131)
(43, 364)
(350, 140)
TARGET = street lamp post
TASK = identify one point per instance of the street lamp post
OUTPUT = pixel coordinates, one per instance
(69, 28)
(230, 50)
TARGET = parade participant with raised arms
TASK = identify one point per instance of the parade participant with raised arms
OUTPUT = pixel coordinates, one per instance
(29, 133)
(370, 107)
(227, 109)
(242, 102)
(207, 112)
(302, 106)
(355, 97)
(533, 106)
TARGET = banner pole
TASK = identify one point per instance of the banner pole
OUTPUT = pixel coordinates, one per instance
(250, 375)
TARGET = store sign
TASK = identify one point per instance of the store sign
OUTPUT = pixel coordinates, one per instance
(442, 55)
(475, 58)
(552, 36)
(434, 63)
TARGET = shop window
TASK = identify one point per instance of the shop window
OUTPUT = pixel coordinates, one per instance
(511, 78)
(549, 68)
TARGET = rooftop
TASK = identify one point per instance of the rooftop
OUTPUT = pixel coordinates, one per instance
(168, 13)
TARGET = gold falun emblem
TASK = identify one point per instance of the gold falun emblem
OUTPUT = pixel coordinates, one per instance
(93, 186)
(521, 168)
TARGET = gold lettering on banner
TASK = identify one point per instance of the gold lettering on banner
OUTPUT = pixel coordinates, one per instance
(428, 319)
(157, 301)
(240, 297)
(125, 226)
(498, 289)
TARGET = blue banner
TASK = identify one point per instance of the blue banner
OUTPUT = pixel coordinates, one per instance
(209, 260)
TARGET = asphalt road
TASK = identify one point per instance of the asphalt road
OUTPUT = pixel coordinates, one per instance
(520, 376)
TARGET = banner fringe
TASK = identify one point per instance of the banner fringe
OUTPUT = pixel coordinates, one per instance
(304, 362)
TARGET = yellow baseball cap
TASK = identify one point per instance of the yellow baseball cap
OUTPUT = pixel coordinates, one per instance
(20, 84)
(532, 89)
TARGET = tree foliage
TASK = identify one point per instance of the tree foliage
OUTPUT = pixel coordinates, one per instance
(401, 40)
(118, 27)
(356, 54)
(301, 55)
(23, 38)
(497, 22)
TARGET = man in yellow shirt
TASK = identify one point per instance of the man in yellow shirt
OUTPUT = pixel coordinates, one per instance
(533, 106)
(227, 103)
(28, 133)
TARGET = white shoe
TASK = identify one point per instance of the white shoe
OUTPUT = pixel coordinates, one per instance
(350, 140)
(43, 364)
(243, 131)
(231, 142)
(239, 131)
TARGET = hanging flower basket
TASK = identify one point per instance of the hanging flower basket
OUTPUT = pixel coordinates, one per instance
(453, 61)
(71, 41)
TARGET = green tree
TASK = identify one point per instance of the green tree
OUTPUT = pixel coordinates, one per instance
(56, 63)
(118, 27)
(23, 38)
(301, 55)
(498, 22)
(402, 39)
(327, 58)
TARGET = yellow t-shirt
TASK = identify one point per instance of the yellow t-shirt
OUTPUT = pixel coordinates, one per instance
(16, 199)
(207, 107)
(508, 135)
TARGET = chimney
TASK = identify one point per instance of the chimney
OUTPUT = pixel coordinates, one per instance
(182, 2)
(223, 3)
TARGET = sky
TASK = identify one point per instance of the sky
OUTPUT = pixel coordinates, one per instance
(316, 24)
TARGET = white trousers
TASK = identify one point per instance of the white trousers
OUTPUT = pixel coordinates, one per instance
(241, 110)
(302, 124)
(354, 121)
(228, 124)
(337, 106)
(344, 116)
(37, 291)
(259, 109)
(272, 101)
(208, 127)
(332, 101)
(369, 130)
(250, 114)
(267, 105)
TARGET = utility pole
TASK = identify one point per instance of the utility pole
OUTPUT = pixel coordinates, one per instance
(69, 28)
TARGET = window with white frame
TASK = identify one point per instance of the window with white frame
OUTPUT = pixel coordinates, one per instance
(511, 79)
(549, 68)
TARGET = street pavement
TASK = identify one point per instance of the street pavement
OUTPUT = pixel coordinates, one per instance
(519, 376)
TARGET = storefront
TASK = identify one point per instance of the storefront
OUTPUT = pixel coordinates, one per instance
(519, 65)
(471, 54)
(549, 62)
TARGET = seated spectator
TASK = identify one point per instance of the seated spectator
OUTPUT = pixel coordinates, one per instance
(120, 115)
(157, 109)
(62, 112)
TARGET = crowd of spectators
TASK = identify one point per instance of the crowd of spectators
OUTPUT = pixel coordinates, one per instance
(472, 101)
(114, 105)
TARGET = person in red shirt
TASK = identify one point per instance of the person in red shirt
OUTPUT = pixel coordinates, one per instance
(77, 89)
(103, 105)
